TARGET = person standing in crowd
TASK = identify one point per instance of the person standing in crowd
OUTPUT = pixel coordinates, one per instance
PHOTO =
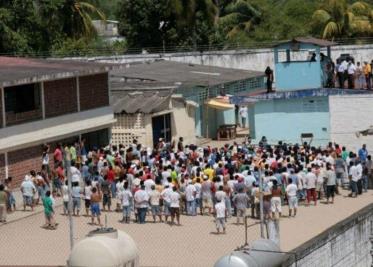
(106, 192)
(65, 198)
(220, 216)
(95, 205)
(28, 190)
(76, 195)
(126, 200)
(367, 69)
(141, 199)
(363, 153)
(359, 76)
(342, 70)
(154, 199)
(190, 194)
(276, 200)
(354, 178)
(3, 204)
(8, 188)
(351, 69)
(206, 194)
(330, 183)
(48, 211)
(175, 206)
(241, 201)
(310, 181)
(87, 197)
(291, 193)
(269, 74)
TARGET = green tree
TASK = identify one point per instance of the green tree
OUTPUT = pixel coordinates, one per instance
(239, 18)
(336, 18)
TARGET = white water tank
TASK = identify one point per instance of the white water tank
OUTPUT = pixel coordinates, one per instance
(105, 247)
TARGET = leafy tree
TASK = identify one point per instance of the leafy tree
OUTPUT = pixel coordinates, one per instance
(336, 18)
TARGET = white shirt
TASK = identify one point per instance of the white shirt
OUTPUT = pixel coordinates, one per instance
(28, 188)
(220, 210)
(125, 197)
(220, 195)
(351, 69)
(174, 199)
(354, 172)
(141, 198)
(198, 188)
(65, 193)
(148, 185)
(190, 191)
(75, 174)
(87, 192)
(291, 190)
(166, 194)
(310, 180)
(154, 197)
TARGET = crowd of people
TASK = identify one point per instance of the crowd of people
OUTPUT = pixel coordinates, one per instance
(160, 184)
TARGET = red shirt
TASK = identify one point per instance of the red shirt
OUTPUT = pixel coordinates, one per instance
(57, 155)
(111, 175)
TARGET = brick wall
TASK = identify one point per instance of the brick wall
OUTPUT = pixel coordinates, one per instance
(60, 97)
(94, 91)
(2, 166)
(20, 162)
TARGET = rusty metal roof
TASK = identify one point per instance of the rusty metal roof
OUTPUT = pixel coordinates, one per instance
(308, 40)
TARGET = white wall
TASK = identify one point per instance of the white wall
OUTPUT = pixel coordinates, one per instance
(348, 115)
(249, 59)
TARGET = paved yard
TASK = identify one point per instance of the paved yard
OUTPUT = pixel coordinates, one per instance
(24, 242)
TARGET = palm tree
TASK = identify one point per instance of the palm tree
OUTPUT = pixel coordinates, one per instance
(189, 13)
(240, 17)
(79, 18)
(338, 19)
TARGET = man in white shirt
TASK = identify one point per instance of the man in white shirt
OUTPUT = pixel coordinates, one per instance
(354, 176)
(190, 194)
(141, 199)
(342, 68)
(220, 216)
(28, 190)
(291, 192)
(166, 193)
(148, 184)
(310, 181)
(154, 198)
(198, 188)
(126, 196)
(175, 206)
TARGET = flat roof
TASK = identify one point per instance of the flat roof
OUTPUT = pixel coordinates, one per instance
(18, 70)
(308, 40)
(164, 72)
(242, 98)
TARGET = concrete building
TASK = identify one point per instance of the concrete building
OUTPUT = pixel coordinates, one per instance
(302, 106)
(148, 115)
(45, 101)
(195, 84)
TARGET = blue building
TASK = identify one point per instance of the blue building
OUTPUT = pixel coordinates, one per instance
(302, 106)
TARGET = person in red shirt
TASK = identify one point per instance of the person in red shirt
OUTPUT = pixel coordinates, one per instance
(57, 155)
(111, 179)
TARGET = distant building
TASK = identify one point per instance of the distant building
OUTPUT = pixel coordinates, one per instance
(107, 29)
(45, 101)
(192, 87)
(302, 109)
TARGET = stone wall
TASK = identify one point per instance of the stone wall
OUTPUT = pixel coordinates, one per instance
(344, 244)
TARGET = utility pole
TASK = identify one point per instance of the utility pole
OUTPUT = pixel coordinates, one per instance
(71, 223)
(261, 204)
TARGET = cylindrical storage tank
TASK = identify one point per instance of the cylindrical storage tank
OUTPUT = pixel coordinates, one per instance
(268, 256)
(105, 247)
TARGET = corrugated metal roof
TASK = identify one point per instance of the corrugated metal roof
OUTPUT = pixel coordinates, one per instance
(141, 101)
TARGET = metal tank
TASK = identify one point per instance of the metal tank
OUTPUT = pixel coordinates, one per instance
(105, 247)
(263, 253)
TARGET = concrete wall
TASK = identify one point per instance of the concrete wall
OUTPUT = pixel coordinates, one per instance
(250, 59)
(286, 119)
(348, 115)
(344, 244)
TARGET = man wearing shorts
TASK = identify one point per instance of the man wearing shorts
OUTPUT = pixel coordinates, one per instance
(291, 192)
(166, 193)
(241, 201)
(28, 190)
(175, 206)
(220, 215)
(206, 194)
(95, 205)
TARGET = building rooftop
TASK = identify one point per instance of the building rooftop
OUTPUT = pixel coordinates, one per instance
(16, 70)
(168, 73)
(308, 40)
(296, 94)
(148, 101)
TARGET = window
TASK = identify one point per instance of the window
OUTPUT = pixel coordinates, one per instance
(22, 98)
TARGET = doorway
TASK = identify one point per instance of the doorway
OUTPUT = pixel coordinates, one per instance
(162, 128)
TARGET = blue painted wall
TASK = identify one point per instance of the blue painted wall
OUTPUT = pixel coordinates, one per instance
(286, 119)
(298, 75)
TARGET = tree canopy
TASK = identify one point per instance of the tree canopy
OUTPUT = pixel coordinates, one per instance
(63, 27)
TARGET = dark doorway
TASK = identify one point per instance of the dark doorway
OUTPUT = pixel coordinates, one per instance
(161, 128)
